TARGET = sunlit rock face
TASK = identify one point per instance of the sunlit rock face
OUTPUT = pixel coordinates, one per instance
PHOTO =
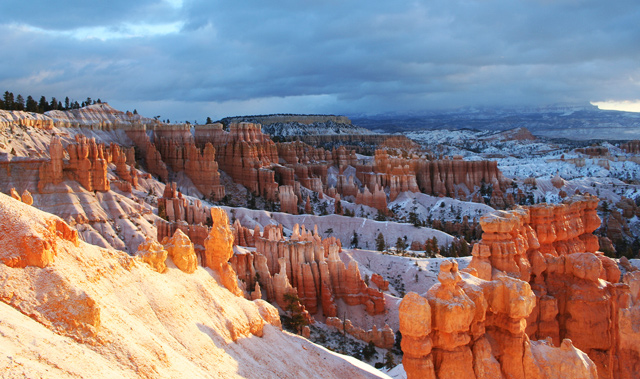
(537, 300)
(219, 249)
(311, 266)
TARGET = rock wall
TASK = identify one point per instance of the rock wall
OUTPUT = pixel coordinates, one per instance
(441, 177)
(476, 329)
(311, 266)
(87, 164)
(181, 154)
(542, 294)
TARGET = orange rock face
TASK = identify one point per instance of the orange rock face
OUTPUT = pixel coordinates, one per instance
(87, 164)
(37, 249)
(180, 250)
(247, 155)
(476, 329)
(383, 338)
(441, 177)
(288, 200)
(200, 166)
(550, 250)
(219, 249)
(153, 254)
(312, 267)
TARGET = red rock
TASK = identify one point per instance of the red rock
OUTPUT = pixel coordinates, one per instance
(219, 249)
(288, 200)
(180, 250)
(379, 281)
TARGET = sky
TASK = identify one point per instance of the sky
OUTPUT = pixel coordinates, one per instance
(186, 60)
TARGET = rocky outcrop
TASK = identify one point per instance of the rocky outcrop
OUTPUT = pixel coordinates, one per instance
(181, 155)
(632, 147)
(577, 289)
(311, 266)
(384, 338)
(87, 164)
(442, 177)
(219, 249)
(180, 250)
(376, 199)
(154, 254)
(476, 329)
(288, 200)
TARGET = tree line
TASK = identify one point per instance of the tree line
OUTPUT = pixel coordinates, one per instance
(9, 102)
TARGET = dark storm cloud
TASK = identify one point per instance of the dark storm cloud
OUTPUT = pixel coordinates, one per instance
(332, 56)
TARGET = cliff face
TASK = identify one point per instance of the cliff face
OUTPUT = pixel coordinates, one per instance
(311, 267)
(536, 296)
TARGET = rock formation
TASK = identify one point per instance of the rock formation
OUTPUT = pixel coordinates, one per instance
(181, 154)
(383, 339)
(310, 266)
(539, 277)
(180, 250)
(476, 329)
(288, 200)
(219, 249)
(154, 254)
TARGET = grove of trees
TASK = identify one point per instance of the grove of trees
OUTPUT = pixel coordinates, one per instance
(11, 102)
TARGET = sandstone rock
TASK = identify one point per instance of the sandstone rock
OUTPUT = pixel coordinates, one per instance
(26, 197)
(154, 254)
(14, 194)
(180, 250)
(219, 248)
(31, 249)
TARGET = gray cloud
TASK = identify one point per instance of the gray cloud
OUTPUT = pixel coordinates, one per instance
(330, 56)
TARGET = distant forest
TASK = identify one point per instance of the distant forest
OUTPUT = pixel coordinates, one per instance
(9, 102)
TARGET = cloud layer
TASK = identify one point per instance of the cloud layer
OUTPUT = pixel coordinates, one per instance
(197, 58)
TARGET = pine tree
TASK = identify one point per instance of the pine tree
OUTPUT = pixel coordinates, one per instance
(43, 106)
(354, 241)
(389, 362)
(209, 120)
(380, 242)
(32, 105)
(8, 100)
(401, 246)
(19, 104)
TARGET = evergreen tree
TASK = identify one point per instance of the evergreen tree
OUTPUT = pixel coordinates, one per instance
(354, 241)
(209, 120)
(43, 106)
(32, 105)
(19, 104)
(67, 103)
(296, 319)
(369, 351)
(380, 242)
(8, 100)
(389, 362)
(401, 245)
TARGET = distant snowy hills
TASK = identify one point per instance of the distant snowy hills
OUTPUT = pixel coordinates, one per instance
(582, 122)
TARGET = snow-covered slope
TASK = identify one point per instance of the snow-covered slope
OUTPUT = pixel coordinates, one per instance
(99, 313)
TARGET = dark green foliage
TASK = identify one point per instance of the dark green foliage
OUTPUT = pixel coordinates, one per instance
(354, 241)
(294, 319)
(381, 244)
(401, 245)
(369, 351)
(11, 102)
(389, 361)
